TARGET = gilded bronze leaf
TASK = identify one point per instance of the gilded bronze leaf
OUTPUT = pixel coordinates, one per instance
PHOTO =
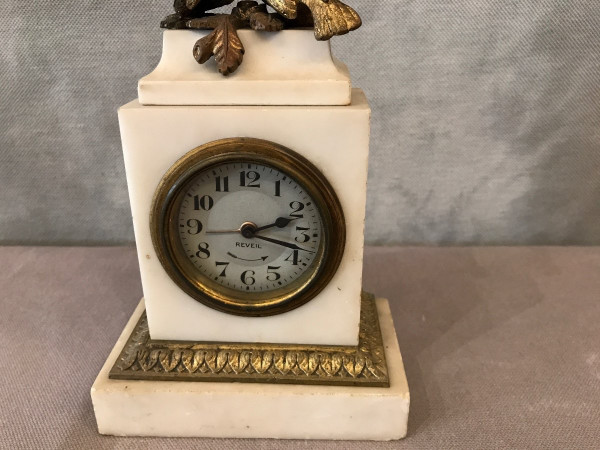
(192, 360)
(331, 364)
(169, 360)
(287, 8)
(354, 366)
(148, 360)
(332, 18)
(210, 357)
(239, 361)
(221, 360)
(262, 362)
(285, 362)
(224, 43)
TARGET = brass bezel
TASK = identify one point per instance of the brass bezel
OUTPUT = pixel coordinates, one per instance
(163, 225)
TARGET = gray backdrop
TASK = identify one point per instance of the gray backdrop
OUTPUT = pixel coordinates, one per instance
(486, 118)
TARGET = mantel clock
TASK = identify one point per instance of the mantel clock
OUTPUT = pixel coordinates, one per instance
(246, 157)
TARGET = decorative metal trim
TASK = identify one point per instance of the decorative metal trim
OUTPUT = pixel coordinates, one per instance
(364, 365)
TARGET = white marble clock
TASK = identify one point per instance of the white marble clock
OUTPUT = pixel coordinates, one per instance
(333, 138)
(248, 197)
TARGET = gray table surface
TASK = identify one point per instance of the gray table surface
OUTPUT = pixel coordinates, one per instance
(501, 345)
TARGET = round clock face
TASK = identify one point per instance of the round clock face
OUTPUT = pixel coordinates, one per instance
(248, 227)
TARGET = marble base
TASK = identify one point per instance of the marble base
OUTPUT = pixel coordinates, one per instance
(285, 68)
(246, 410)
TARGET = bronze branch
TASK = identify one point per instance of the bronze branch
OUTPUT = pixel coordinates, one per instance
(328, 18)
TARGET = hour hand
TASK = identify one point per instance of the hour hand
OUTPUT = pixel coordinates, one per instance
(281, 222)
(283, 243)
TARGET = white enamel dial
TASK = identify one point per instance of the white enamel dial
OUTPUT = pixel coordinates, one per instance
(249, 226)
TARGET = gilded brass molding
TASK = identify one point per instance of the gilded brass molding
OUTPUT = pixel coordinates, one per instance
(363, 365)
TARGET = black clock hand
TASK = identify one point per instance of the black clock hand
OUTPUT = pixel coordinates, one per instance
(281, 222)
(283, 243)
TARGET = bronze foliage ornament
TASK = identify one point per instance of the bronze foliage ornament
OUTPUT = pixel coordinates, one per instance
(363, 365)
(223, 42)
(328, 18)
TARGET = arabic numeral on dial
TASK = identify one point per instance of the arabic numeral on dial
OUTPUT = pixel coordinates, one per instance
(195, 226)
(293, 258)
(305, 237)
(225, 264)
(278, 188)
(248, 277)
(205, 202)
(271, 271)
(203, 252)
(222, 184)
(252, 177)
(297, 207)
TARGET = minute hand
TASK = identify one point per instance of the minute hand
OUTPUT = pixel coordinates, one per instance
(283, 243)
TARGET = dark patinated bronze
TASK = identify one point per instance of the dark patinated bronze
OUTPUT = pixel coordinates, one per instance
(328, 18)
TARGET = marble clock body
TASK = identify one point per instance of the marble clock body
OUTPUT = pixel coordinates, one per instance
(266, 170)
(333, 136)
